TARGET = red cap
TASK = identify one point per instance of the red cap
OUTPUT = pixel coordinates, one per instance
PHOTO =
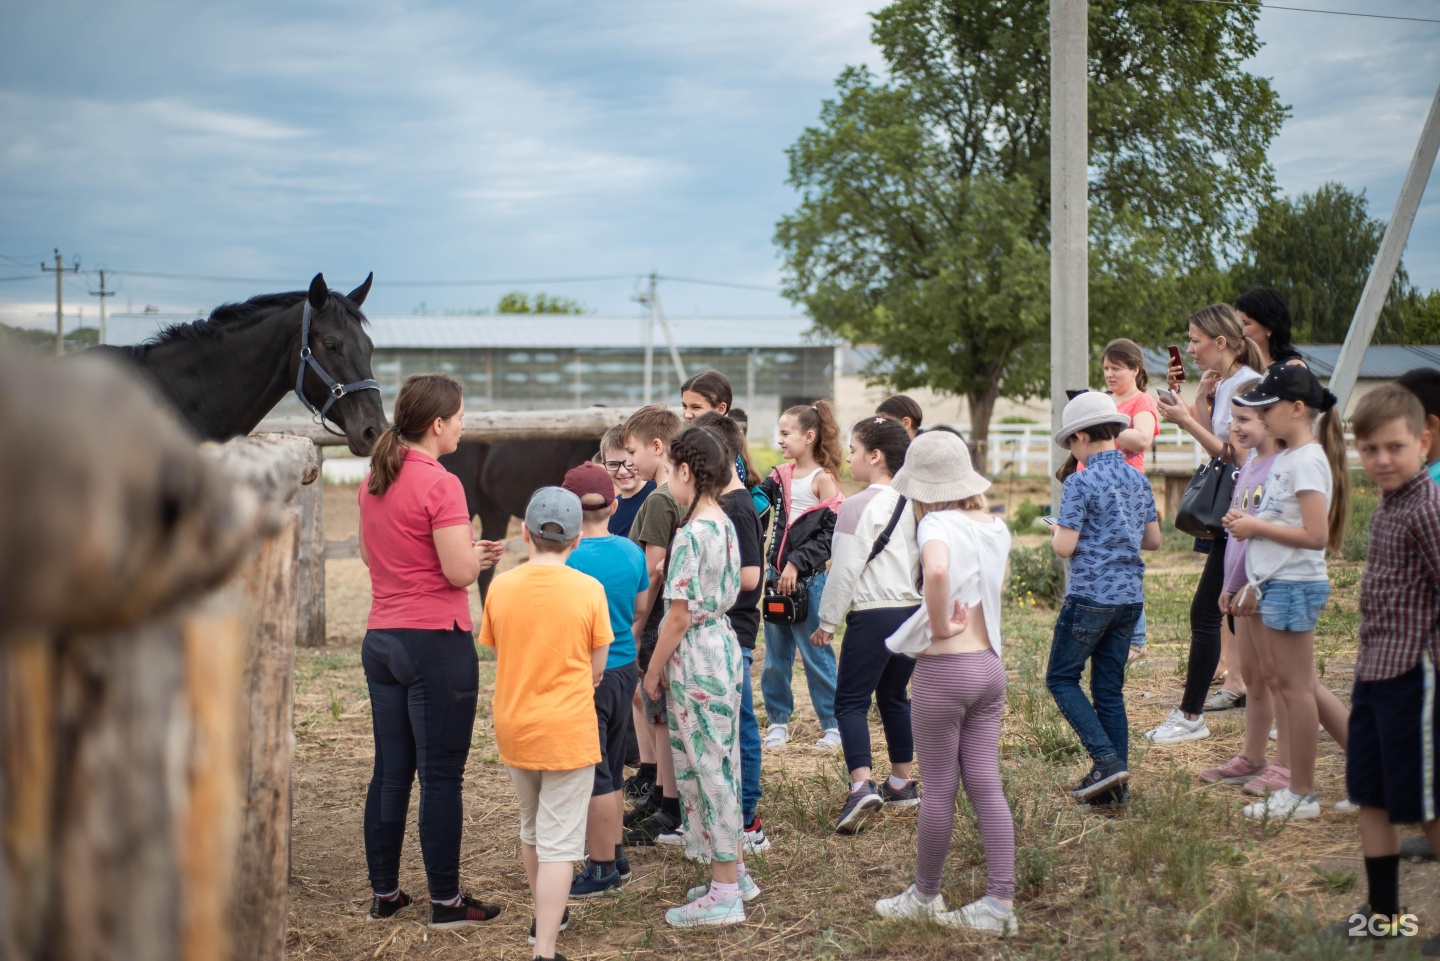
(590, 478)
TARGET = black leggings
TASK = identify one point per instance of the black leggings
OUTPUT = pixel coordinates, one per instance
(1205, 630)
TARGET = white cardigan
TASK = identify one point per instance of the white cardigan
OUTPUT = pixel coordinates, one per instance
(887, 581)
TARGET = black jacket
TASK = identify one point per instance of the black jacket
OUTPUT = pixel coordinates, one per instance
(807, 543)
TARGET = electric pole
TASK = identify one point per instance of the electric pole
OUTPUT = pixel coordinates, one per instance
(102, 294)
(59, 269)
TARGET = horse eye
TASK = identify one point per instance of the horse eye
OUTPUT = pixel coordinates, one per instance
(332, 345)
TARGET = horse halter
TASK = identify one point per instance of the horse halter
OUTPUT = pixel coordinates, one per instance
(337, 390)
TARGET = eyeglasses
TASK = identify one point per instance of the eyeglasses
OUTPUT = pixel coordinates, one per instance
(614, 466)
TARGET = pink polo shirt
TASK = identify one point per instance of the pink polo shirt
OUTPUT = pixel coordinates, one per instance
(407, 586)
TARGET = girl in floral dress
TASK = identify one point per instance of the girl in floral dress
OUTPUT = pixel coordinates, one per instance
(702, 665)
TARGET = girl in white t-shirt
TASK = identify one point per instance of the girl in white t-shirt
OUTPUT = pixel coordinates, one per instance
(1301, 511)
(958, 688)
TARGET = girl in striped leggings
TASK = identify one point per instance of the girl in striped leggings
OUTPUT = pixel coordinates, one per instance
(958, 688)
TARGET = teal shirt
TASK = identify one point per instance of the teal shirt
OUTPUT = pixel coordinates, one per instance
(619, 565)
(1435, 472)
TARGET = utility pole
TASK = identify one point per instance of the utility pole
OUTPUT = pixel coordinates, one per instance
(1069, 222)
(103, 293)
(1377, 286)
(649, 337)
(59, 269)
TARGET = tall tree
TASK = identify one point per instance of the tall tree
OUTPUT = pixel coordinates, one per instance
(924, 219)
(1318, 249)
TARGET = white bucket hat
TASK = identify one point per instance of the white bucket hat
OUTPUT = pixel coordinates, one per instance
(1090, 409)
(938, 469)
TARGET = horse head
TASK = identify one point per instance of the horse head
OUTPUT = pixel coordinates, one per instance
(340, 346)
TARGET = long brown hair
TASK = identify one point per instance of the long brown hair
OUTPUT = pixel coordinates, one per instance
(423, 398)
(1331, 435)
(820, 417)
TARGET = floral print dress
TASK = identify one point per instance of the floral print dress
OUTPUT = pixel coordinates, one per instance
(705, 682)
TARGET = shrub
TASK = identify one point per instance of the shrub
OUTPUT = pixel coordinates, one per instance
(1037, 576)
(1025, 516)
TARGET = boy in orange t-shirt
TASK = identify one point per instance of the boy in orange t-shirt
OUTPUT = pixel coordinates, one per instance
(550, 627)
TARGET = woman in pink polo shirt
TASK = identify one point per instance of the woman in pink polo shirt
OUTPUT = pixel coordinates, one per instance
(419, 651)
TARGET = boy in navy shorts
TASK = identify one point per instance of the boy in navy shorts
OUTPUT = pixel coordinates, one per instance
(1390, 769)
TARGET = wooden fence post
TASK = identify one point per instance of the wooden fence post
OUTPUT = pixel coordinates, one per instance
(310, 565)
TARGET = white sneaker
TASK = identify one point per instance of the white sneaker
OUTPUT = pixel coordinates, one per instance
(671, 839)
(910, 903)
(1274, 733)
(1283, 805)
(829, 741)
(980, 916)
(1345, 806)
(1177, 729)
(776, 736)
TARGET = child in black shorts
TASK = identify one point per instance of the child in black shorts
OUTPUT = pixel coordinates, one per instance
(1390, 769)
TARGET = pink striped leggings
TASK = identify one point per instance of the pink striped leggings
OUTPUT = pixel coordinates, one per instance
(956, 704)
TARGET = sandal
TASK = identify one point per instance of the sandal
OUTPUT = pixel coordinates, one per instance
(1223, 700)
(1218, 678)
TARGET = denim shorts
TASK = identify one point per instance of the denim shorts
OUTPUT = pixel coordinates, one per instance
(1292, 605)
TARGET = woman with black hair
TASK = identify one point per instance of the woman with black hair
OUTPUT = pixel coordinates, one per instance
(1266, 320)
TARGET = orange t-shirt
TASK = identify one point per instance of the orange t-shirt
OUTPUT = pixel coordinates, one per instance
(543, 621)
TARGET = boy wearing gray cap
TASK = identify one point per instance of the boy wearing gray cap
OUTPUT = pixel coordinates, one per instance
(550, 627)
(1107, 517)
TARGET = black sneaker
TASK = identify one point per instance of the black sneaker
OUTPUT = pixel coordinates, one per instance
(1113, 797)
(1101, 778)
(900, 797)
(644, 807)
(564, 923)
(467, 913)
(1417, 848)
(622, 864)
(382, 909)
(859, 805)
(639, 784)
(645, 832)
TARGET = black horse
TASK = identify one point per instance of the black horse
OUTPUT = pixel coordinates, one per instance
(225, 373)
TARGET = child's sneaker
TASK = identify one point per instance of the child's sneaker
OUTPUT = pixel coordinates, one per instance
(638, 784)
(829, 741)
(755, 840)
(776, 736)
(1345, 806)
(910, 903)
(590, 883)
(467, 913)
(622, 864)
(1273, 778)
(1113, 797)
(645, 832)
(382, 909)
(1237, 770)
(564, 923)
(1177, 729)
(980, 916)
(1283, 805)
(673, 838)
(1102, 778)
(898, 798)
(644, 807)
(705, 911)
(859, 805)
(749, 890)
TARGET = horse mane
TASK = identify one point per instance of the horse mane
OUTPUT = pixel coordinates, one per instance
(228, 317)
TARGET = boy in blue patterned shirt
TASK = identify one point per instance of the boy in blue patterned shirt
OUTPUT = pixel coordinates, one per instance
(1107, 517)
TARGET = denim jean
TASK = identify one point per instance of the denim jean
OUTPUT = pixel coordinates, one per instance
(749, 743)
(868, 669)
(423, 688)
(1087, 631)
(781, 641)
(1138, 638)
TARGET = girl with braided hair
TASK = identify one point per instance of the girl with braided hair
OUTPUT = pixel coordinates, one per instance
(698, 656)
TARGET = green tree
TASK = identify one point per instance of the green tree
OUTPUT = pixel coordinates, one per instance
(924, 219)
(1318, 249)
(516, 302)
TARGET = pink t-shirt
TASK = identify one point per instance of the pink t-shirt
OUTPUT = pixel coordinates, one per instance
(1141, 402)
(407, 586)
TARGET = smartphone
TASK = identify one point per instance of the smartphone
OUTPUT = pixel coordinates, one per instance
(1177, 361)
(1167, 396)
(1051, 519)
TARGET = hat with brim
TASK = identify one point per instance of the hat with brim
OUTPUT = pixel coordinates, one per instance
(1290, 382)
(938, 469)
(1090, 409)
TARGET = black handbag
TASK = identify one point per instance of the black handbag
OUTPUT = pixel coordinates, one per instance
(792, 608)
(1207, 499)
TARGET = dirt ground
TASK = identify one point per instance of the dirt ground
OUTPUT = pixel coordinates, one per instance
(818, 887)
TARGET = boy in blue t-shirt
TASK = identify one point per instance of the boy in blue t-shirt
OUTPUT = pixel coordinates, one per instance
(1107, 517)
(619, 565)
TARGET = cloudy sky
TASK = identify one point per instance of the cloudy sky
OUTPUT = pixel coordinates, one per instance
(452, 141)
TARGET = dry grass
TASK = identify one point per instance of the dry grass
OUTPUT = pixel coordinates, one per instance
(1177, 875)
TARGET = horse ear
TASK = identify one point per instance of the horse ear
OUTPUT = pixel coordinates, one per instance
(319, 293)
(357, 296)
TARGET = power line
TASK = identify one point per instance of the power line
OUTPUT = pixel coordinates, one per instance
(23, 277)
(1333, 13)
(716, 283)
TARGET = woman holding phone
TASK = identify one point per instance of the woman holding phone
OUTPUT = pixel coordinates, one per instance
(1230, 364)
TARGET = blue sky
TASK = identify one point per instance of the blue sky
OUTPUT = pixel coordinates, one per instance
(436, 140)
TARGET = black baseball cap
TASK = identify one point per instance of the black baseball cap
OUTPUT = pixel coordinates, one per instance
(1289, 382)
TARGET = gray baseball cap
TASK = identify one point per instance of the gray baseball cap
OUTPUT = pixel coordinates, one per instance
(553, 505)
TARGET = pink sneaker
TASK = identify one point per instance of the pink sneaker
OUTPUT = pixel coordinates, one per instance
(1273, 778)
(1237, 770)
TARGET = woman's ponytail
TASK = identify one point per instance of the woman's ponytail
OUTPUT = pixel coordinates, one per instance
(1332, 440)
(386, 459)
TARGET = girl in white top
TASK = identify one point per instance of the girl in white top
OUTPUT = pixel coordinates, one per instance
(1230, 362)
(958, 688)
(880, 592)
(1302, 511)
